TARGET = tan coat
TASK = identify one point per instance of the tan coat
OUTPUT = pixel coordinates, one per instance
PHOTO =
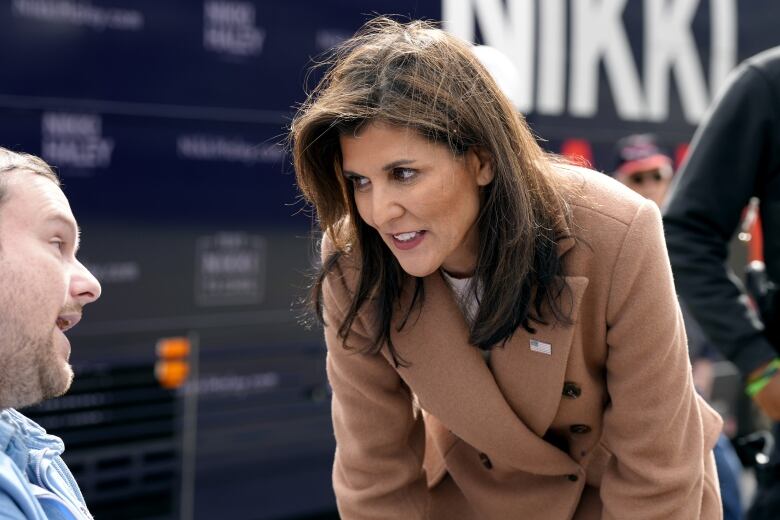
(607, 425)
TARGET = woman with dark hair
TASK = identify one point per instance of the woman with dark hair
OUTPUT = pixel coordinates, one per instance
(504, 339)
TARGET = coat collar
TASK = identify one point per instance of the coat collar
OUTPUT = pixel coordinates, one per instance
(565, 243)
(453, 383)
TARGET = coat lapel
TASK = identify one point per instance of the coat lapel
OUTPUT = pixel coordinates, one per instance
(453, 383)
(530, 368)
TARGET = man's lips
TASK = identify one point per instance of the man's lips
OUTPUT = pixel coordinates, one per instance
(66, 322)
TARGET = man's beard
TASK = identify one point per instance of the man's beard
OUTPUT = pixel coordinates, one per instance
(32, 371)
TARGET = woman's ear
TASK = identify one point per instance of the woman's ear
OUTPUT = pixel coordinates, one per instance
(481, 164)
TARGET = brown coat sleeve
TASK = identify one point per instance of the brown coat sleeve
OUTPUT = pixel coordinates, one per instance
(377, 471)
(653, 423)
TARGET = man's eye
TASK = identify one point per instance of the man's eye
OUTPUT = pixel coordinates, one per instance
(59, 244)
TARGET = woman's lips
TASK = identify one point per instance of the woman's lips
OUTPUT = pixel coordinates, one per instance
(409, 243)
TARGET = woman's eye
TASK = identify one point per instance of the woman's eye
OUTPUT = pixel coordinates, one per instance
(59, 244)
(360, 183)
(404, 174)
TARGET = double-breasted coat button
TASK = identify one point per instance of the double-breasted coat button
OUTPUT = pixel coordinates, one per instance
(485, 461)
(579, 428)
(571, 390)
(573, 477)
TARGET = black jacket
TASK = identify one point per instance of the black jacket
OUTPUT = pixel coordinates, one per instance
(735, 155)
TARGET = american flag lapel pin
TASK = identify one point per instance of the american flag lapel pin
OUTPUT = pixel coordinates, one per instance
(541, 347)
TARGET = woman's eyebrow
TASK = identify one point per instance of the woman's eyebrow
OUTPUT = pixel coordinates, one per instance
(396, 164)
(387, 167)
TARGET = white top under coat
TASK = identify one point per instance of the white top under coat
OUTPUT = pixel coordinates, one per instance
(468, 301)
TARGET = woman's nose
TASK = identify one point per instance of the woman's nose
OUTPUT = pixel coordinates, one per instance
(386, 207)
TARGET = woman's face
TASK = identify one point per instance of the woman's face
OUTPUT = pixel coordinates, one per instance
(421, 198)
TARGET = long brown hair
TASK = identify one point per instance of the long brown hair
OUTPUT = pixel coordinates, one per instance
(417, 76)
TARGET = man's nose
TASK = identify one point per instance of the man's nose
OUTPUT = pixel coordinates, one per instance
(386, 206)
(84, 286)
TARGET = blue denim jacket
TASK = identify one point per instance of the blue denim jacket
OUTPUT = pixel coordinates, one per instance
(35, 483)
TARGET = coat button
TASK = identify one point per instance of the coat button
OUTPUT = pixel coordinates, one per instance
(485, 461)
(573, 477)
(579, 428)
(571, 390)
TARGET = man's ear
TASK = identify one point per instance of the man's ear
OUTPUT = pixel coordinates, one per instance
(480, 162)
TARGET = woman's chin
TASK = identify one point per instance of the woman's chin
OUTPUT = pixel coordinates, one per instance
(417, 269)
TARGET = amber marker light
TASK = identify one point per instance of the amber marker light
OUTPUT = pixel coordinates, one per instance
(172, 367)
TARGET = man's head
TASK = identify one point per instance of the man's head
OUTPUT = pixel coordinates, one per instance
(42, 286)
(642, 165)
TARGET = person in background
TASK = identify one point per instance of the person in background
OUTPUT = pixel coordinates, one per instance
(644, 165)
(43, 289)
(503, 334)
(734, 156)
